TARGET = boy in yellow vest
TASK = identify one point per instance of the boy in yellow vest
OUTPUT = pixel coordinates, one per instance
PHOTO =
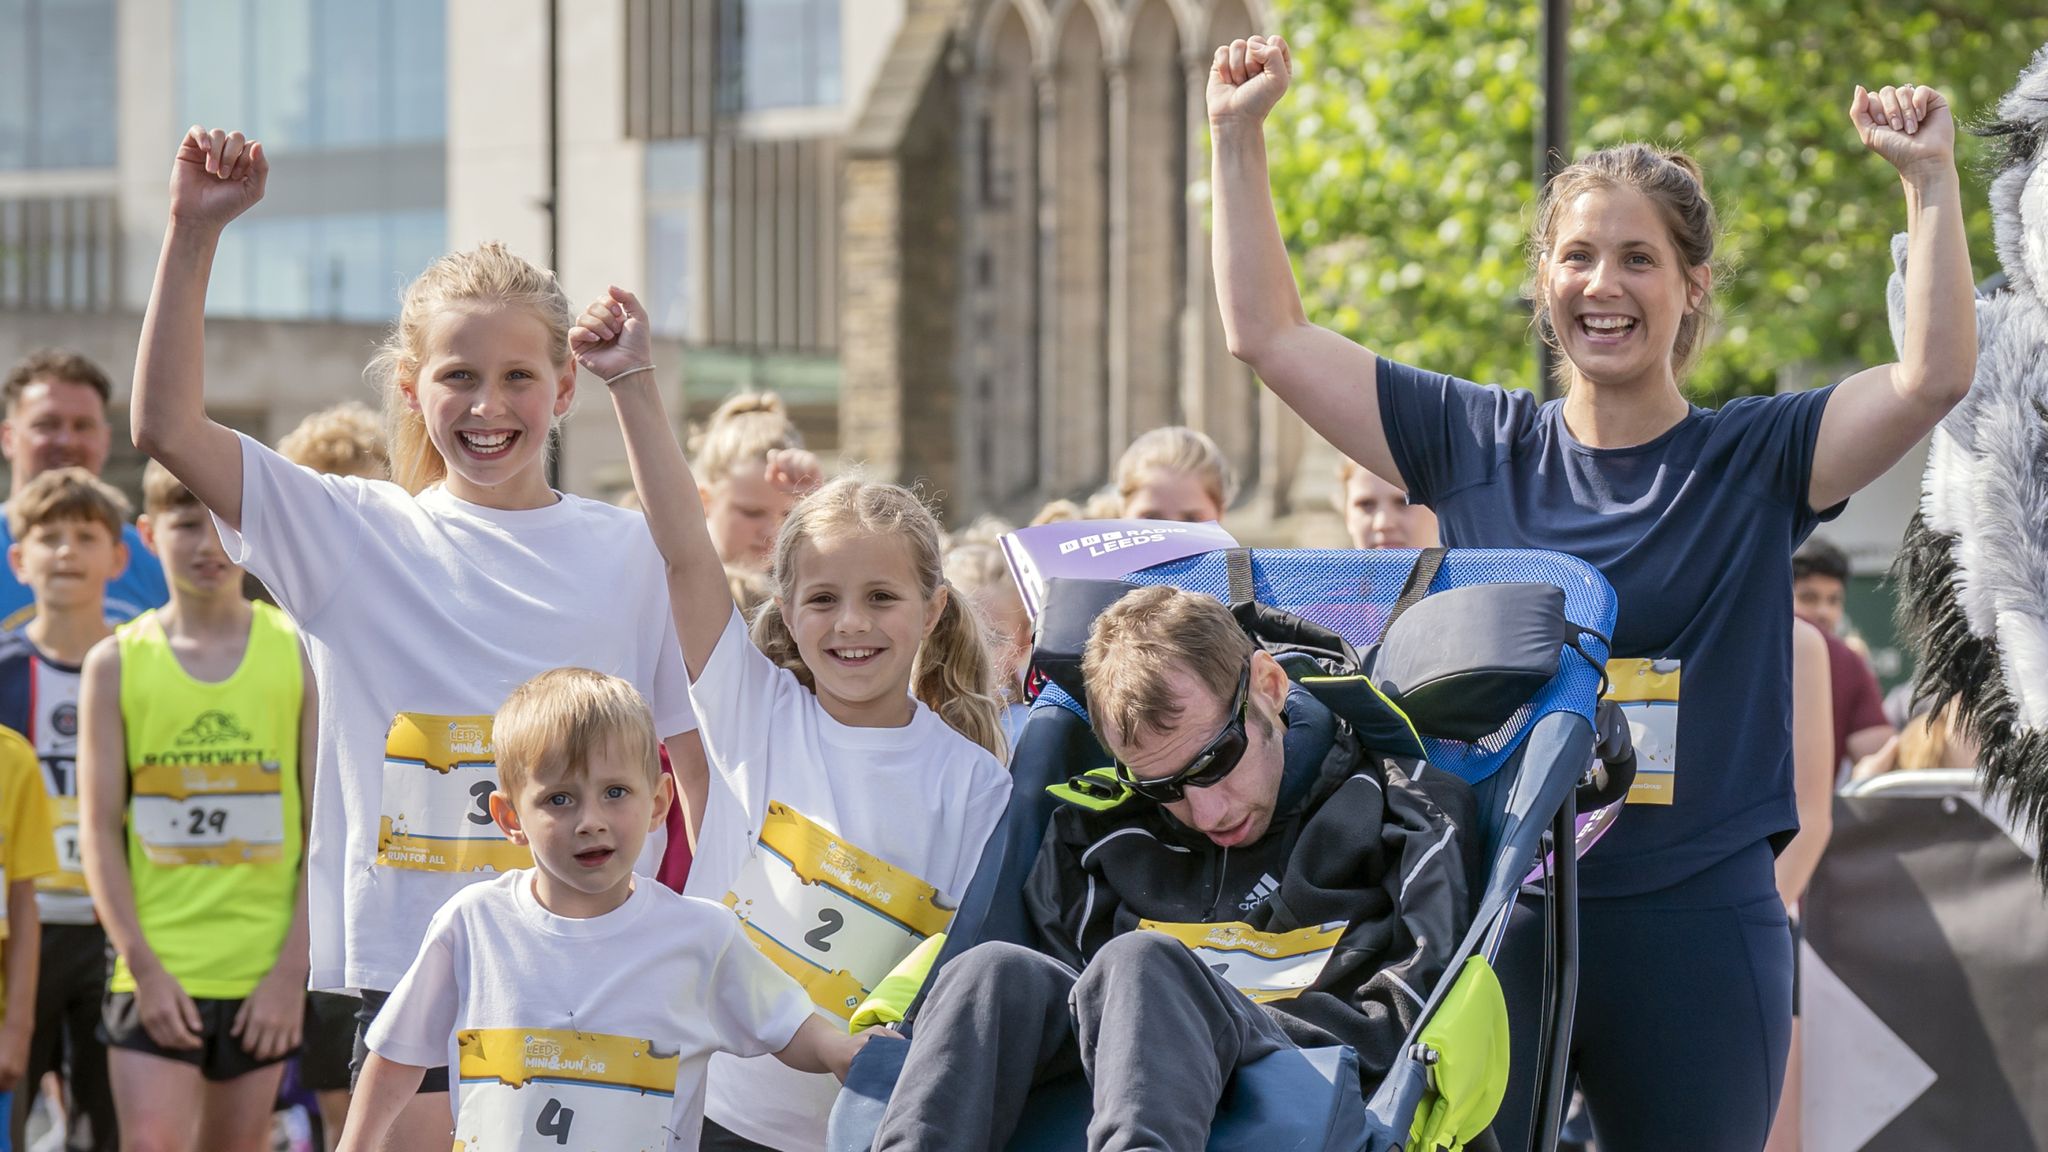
(26, 852)
(196, 752)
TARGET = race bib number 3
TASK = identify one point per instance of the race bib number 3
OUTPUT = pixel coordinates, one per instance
(555, 1088)
(1647, 691)
(832, 916)
(1265, 966)
(439, 773)
(209, 814)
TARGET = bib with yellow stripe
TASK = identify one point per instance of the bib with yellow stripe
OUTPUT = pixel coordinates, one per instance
(835, 918)
(1647, 691)
(1266, 966)
(549, 1087)
(214, 831)
(439, 773)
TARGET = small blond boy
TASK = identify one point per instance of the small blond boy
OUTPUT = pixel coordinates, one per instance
(573, 1001)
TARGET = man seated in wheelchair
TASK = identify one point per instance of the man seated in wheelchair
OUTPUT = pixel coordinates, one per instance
(1246, 878)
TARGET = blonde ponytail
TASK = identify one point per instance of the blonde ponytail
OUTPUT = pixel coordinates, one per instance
(954, 677)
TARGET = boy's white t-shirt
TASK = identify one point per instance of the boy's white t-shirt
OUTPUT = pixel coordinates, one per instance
(922, 798)
(420, 615)
(594, 1030)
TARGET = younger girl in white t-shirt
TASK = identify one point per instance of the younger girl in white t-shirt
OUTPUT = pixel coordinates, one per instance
(422, 602)
(858, 746)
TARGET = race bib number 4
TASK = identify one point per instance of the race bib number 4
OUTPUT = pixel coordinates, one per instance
(208, 814)
(829, 914)
(1265, 966)
(439, 773)
(556, 1088)
(1647, 691)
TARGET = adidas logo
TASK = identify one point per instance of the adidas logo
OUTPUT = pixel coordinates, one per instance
(1264, 888)
(215, 727)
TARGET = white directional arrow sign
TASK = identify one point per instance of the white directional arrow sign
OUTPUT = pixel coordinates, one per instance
(1859, 1074)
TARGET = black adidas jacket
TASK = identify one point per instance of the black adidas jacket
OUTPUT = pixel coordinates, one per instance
(1386, 846)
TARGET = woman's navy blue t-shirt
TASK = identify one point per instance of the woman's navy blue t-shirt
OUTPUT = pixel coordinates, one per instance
(1695, 530)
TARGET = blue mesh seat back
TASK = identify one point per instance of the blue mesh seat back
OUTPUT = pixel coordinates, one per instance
(1352, 593)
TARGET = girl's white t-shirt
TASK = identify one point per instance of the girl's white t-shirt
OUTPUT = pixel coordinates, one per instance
(596, 1030)
(420, 615)
(922, 798)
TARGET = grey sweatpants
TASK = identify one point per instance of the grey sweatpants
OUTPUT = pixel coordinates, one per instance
(1157, 1033)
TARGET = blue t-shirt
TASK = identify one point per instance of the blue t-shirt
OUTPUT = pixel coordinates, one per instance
(138, 588)
(1695, 530)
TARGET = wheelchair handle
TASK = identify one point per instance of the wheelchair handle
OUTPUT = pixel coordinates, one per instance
(1613, 769)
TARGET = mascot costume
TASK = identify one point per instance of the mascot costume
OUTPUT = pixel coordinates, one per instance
(1972, 572)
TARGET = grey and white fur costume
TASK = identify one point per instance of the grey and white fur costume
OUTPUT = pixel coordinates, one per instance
(1972, 571)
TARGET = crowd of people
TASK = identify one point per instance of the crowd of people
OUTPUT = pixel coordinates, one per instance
(433, 768)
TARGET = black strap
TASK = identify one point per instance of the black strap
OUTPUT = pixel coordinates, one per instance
(1239, 563)
(1419, 579)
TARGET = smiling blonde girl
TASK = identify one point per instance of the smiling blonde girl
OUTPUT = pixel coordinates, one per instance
(423, 601)
(858, 743)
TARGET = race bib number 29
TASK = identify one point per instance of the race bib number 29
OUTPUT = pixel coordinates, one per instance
(209, 814)
(832, 916)
(439, 773)
(557, 1088)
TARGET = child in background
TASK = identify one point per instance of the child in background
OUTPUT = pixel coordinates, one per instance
(198, 726)
(67, 527)
(424, 601)
(977, 571)
(27, 853)
(579, 1004)
(1107, 504)
(858, 727)
(1175, 473)
(1378, 515)
(1057, 512)
(344, 440)
(745, 501)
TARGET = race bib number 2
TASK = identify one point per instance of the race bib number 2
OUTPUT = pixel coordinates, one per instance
(1647, 691)
(832, 916)
(1265, 966)
(209, 814)
(556, 1088)
(439, 773)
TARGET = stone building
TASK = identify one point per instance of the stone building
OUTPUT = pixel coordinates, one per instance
(966, 238)
(1026, 253)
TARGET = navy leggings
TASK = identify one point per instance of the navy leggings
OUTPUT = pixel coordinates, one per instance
(1684, 1012)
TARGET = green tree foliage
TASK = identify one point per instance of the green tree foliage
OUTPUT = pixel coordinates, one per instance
(1402, 159)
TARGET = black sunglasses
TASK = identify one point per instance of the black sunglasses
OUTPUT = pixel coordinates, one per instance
(1215, 761)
